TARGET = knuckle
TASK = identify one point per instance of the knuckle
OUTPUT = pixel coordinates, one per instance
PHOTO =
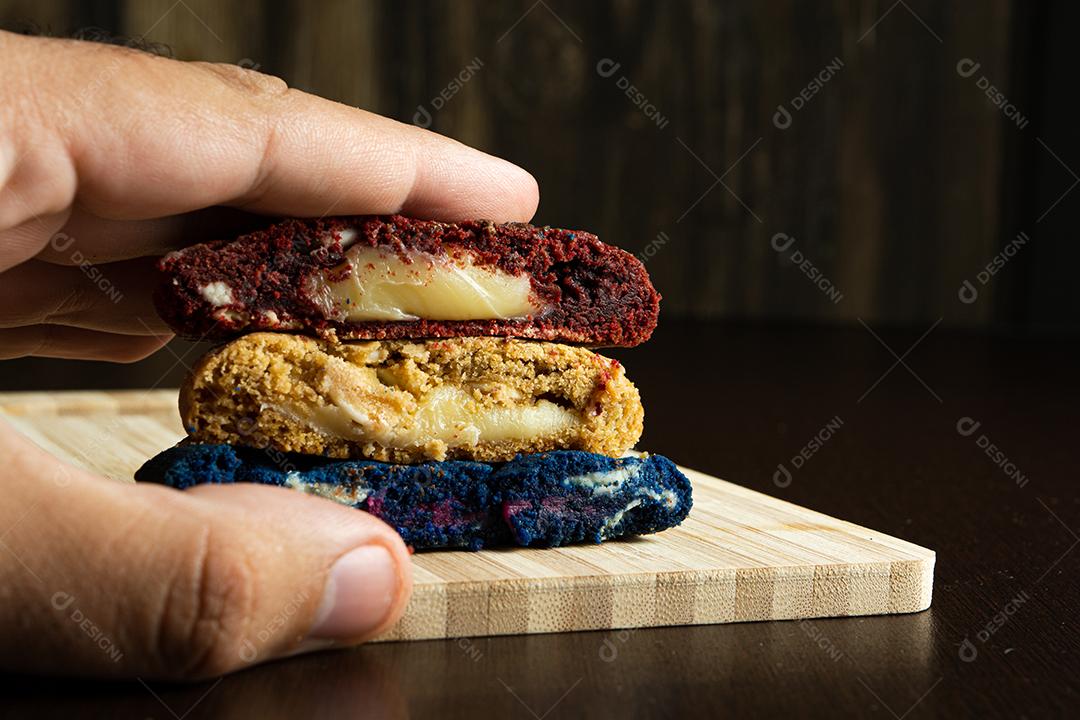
(37, 180)
(248, 81)
(203, 622)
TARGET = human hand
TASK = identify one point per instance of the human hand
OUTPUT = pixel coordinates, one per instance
(113, 156)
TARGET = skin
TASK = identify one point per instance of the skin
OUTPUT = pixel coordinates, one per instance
(116, 156)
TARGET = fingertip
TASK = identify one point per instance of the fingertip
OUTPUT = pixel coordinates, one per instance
(364, 595)
(501, 192)
(527, 194)
(141, 348)
(452, 182)
(505, 192)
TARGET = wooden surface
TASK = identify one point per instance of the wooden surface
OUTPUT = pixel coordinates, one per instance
(897, 465)
(740, 556)
(897, 168)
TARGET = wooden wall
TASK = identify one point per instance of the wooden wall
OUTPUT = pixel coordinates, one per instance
(898, 179)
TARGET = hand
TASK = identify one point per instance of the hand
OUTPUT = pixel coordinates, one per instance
(111, 156)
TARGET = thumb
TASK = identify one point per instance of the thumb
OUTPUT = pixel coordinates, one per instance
(106, 578)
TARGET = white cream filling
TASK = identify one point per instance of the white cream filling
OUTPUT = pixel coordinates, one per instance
(347, 237)
(339, 493)
(610, 524)
(605, 482)
(668, 497)
(217, 293)
(609, 482)
(448, 414)
(377, 284)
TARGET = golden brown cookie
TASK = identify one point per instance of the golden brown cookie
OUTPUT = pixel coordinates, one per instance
(473, 398)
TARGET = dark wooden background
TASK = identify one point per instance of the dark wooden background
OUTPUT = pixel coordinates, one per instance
(899, 179)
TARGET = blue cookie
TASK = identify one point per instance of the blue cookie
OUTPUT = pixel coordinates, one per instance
(537, 500)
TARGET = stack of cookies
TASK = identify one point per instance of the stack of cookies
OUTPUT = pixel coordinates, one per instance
(435, 375)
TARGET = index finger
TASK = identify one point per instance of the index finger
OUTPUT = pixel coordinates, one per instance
(156, 137)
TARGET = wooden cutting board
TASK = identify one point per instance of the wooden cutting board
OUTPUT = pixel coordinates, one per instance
(739, 556)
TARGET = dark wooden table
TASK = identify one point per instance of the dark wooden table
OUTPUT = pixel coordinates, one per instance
(1000, 640)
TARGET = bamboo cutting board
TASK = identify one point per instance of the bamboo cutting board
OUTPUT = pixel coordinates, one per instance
(739, 556)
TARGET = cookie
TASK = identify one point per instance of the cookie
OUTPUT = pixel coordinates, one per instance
(537, 500)
(393, 277)
(471, 398)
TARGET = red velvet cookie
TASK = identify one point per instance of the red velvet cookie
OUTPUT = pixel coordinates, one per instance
(390, 277)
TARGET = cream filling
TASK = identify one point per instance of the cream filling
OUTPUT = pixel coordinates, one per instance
(343, 494)
(447, 415)
(612, 522)
(377, 284)
(217, 293)
(609, 482)
(668, 497)
(604, 482)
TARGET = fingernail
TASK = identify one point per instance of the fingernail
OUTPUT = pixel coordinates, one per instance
(358, 595)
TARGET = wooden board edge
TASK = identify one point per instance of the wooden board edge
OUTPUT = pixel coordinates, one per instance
(912, 549)
(678, 598)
